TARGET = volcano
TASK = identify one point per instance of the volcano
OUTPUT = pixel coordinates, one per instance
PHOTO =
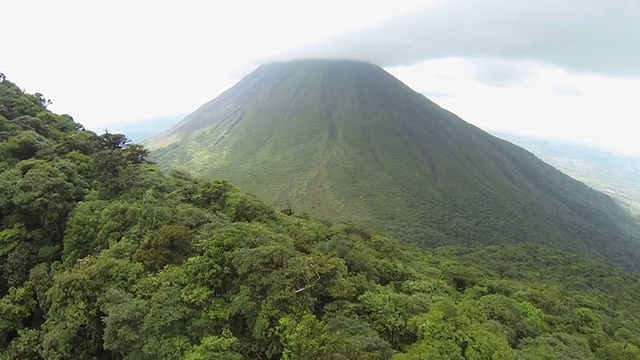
(346, 140)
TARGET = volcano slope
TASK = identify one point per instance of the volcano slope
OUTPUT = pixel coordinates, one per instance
(346, 140)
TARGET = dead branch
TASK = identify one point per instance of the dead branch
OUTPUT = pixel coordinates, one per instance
(308, 286)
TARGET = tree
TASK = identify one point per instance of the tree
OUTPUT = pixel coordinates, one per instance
(45, 102)
(18, 305)
(215, 347)
(81, 236)
(44, 198)
(74, 326)
(170, 244)
(123, 321)
(113, 141)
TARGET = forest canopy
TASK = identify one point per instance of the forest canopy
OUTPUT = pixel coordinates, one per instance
(104, 257)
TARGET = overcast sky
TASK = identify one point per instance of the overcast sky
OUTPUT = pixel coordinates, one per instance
(565, 68)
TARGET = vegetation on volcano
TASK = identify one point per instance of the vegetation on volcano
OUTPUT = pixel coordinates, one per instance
(104, 257)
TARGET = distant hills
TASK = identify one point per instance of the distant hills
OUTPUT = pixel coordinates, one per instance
(346, 140)
(614, 174)
(138, 131)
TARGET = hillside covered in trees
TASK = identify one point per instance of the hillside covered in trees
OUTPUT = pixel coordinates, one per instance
(104, 257)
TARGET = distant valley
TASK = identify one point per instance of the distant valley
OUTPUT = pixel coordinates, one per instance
(139, 131)
(613, 174)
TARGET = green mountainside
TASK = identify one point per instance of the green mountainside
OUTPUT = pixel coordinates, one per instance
(345, 140)
(104, 257)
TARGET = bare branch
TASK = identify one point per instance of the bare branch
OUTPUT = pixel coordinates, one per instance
(308, 286)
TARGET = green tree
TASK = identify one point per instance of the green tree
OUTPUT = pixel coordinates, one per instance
(170, 244)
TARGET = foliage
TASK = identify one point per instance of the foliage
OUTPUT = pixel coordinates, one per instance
(126, 263)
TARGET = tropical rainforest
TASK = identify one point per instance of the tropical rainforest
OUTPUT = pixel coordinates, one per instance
(104, 257)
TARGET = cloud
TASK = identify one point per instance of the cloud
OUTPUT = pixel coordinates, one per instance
(591, 36)
(567, 90)
(436, 94)
(502, 73)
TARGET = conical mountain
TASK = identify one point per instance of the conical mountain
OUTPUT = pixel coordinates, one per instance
(345, 140)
